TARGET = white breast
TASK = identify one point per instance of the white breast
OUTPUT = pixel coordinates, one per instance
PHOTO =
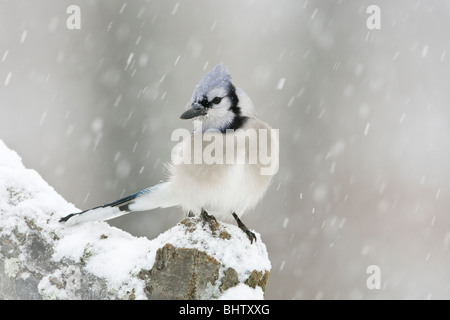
(220, 189)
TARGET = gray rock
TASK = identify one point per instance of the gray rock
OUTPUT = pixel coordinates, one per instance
(188, 261)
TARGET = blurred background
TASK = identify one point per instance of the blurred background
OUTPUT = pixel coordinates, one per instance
(364, 122)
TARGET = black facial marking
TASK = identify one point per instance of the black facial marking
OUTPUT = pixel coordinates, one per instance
(204, 102)
(238, 120)
(234, 100)
(208, 104)
(237, 123)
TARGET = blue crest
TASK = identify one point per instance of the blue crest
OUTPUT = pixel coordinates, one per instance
(219, 77)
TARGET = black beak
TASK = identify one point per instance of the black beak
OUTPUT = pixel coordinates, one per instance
(196, 110)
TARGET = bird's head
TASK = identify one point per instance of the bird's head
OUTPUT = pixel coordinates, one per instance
(217, 103)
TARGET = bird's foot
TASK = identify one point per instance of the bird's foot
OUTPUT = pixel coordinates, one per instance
(251, 236)
(211, 220)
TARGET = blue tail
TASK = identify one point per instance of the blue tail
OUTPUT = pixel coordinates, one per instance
(106, 211)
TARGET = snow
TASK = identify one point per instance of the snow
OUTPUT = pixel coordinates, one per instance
(33, 197)
(175, 8)
(424, 51)
(9, 158)
(177, 59)
(244, 259)
(8, 78)
(243, 292)
(130, 58)
(366, 130)
(23, 36)
(5, 55)
(280, 83)
(119, 256)
(11, 266)
(108, 252)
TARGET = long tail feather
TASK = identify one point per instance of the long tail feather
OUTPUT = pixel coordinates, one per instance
(113, 209)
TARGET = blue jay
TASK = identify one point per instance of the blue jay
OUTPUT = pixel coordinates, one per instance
(222, 188)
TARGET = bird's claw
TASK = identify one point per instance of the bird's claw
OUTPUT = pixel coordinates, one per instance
(210, 219)
(251, 236)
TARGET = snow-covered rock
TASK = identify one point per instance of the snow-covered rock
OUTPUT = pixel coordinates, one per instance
(40, 258)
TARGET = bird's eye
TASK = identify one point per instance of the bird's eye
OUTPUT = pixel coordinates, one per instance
(217, 100)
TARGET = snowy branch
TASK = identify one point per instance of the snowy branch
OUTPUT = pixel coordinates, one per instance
(42, 259)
